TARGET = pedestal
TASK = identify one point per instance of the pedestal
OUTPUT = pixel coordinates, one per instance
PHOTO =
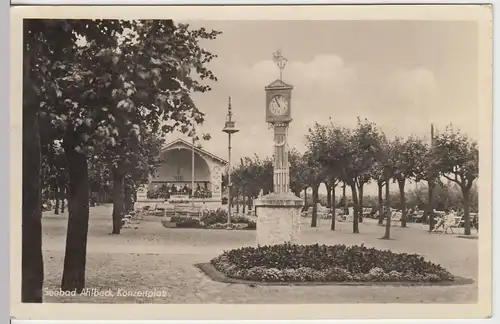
(278, 218)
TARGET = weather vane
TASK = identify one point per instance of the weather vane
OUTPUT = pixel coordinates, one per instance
(280, 61)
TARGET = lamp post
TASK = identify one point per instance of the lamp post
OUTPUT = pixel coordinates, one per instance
(193, 138)
(229, 129)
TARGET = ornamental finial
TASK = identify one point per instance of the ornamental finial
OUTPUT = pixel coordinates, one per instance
(280, 61)
(229, 110)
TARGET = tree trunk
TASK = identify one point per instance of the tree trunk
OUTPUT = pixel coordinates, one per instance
(118, 200)
(237, 205)
(31, 254)
(57, 195)
(346, 203)
(387, 234)
(332, 206)
(360, 210)
(305, 199)
(355, 201)
(63, 198)
(128, 199)
(99, 185)
(430, 213)
(380, 185)
(244, 205)
(328, 196)
(466, 198)
(314, 218)
(401, 184)
(78, 220)
(249, 201)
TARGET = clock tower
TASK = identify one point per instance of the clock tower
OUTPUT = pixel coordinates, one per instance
(278, 115)
(279, 212)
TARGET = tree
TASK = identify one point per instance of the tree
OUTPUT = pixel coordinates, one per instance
(332, 163)
(458, 158)
(297, 171)
(251, 176)
(139, 94)
(31, 258)
(54, 171)
(379, 176)
(427, 169)
(331, 184)
(47, 43)
(317, 140)
(360, 148)
(385, 158)
(406, 156)
(103, 93)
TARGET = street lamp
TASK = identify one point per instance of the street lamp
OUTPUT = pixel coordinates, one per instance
(193, 139)
(229, 129)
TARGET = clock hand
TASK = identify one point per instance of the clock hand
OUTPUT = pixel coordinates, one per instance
(276, 101)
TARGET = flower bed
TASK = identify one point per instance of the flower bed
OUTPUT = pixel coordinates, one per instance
(321, 263)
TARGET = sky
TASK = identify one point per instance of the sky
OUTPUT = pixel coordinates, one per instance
(402, 75)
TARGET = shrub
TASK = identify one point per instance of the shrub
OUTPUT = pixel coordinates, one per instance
(211, 217)
(252, 225)
(290, 262)
(186, 222)
(226, 225)
(219, 216)
(240, 219)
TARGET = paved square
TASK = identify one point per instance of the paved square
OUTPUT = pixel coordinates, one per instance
(151, 257)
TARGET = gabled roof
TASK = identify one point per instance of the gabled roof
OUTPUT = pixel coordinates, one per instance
(278, 84)
(198, 150)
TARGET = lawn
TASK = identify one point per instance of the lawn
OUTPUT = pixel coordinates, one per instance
(149, 258)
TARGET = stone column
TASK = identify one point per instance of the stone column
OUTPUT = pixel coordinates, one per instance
(278, 218)
(278, 213)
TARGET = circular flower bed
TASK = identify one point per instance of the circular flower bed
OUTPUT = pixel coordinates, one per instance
(321, 263)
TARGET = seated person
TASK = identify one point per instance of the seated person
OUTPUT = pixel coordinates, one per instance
(440, 223)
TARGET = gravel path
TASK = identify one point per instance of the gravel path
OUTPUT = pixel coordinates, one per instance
(160, 260)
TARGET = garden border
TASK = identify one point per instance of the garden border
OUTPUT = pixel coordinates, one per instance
(210, 271)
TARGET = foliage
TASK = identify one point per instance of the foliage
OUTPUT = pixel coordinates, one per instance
(298, 171)
(251, 176)
(107, 90)
(211, 217)
(289, 262)
(317, 145)
(407, 157)
(458, 157)
(446, 196)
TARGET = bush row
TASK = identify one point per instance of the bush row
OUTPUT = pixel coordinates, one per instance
(213, 219)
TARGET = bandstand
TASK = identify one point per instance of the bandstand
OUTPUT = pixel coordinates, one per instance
(173, 181)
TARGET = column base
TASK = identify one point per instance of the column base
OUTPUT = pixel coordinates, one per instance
(278, 218)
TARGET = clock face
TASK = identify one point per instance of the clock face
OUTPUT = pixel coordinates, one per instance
(278, 106)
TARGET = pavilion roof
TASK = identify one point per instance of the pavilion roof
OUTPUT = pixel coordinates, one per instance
(198, 150)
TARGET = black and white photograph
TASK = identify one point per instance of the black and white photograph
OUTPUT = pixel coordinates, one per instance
(205, 159)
